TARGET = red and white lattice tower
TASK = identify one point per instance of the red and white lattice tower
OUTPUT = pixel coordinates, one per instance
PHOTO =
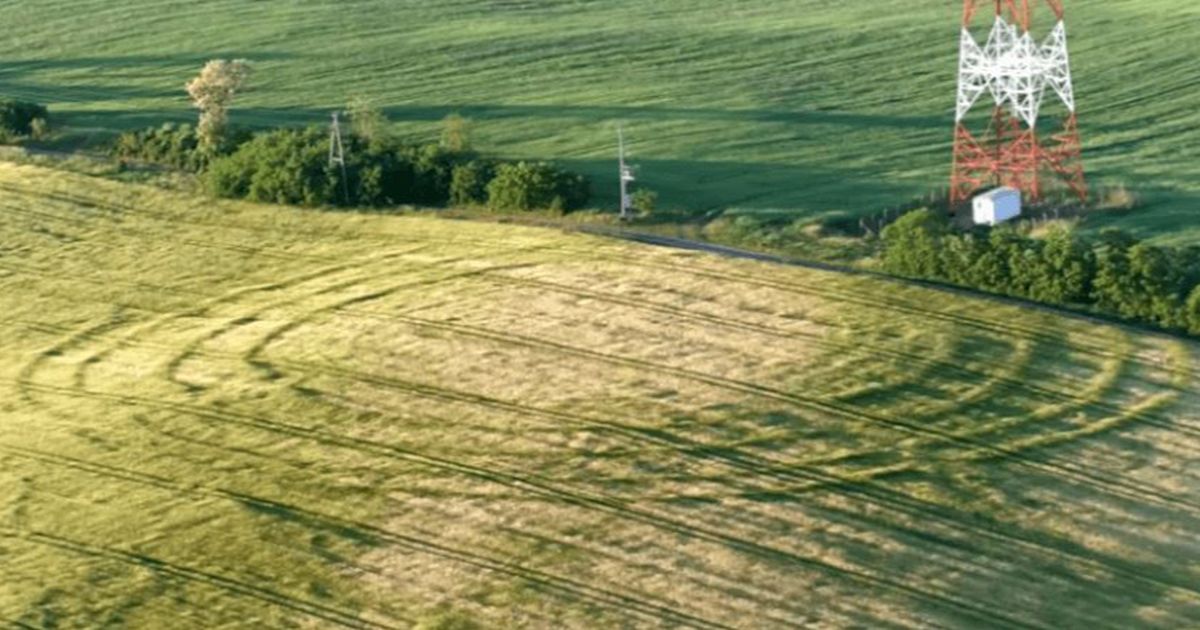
(1019, 73)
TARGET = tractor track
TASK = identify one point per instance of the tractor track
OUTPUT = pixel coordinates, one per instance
(1126, 490)
(1011, 384)
(545, 490)
(323, 612)
(838, 482)
(359, 530)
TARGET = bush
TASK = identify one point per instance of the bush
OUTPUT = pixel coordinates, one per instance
(39, 129)
(1193, 311)
(286, 166)
(1066, 272)
(536, 186)
(644, 201)
(912, 245)
(469, 183)
(169, 145)
(17, 117)
(522, 186)
(574, 189)
(433, 167)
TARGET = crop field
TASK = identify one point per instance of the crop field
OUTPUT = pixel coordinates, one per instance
(799, 107)
(217, 414)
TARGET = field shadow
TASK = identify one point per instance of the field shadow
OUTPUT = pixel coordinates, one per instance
(703, 189)
(686, 188)
(20, 67)
(433, 113)
(53, 81)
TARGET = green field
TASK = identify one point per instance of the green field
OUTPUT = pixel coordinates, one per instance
(805, 107)
(217, 414)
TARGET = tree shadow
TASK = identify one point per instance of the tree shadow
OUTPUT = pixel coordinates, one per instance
(692, 188)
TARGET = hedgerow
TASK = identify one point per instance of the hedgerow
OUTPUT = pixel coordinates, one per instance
(292, 166)
(1112, 274)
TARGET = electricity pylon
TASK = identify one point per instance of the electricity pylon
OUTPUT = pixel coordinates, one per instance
(1017, 72)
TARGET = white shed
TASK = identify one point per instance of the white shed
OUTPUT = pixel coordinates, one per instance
(997, 206)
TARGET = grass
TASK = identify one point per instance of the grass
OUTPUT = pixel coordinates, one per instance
(807, 108)
(219, 414)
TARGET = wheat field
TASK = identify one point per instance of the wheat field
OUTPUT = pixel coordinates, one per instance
(217, 414)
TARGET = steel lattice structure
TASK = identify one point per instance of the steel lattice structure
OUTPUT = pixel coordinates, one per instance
(1018, 72)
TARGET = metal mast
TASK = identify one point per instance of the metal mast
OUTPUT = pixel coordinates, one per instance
(625, 174)
(1018, 72)
(337, 154)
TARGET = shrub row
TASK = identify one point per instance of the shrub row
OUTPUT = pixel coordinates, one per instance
(171, 145)
(1112, 274)
(292, 166)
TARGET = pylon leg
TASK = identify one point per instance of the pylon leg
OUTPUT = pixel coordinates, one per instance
(1064, 157)
(974, 166)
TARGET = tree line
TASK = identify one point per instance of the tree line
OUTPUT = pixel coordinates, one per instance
(293, 166)
(1112, 273)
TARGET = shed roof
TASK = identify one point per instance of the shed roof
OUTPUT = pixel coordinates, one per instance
(997, 193)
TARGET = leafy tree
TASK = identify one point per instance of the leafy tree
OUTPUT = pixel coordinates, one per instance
(523, 186)
(469, 183)
(456, 134)
(1192, 311)
(170, 145)
(1114, 283)
(285, 166)
(17, 117)
(434, 165)
(958, 256)
(370, 124)
(1012, 259)
(912, 245)
(212, 92)
(572, 189)
(1160, 293)
(644, 201)
(1066, 271)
